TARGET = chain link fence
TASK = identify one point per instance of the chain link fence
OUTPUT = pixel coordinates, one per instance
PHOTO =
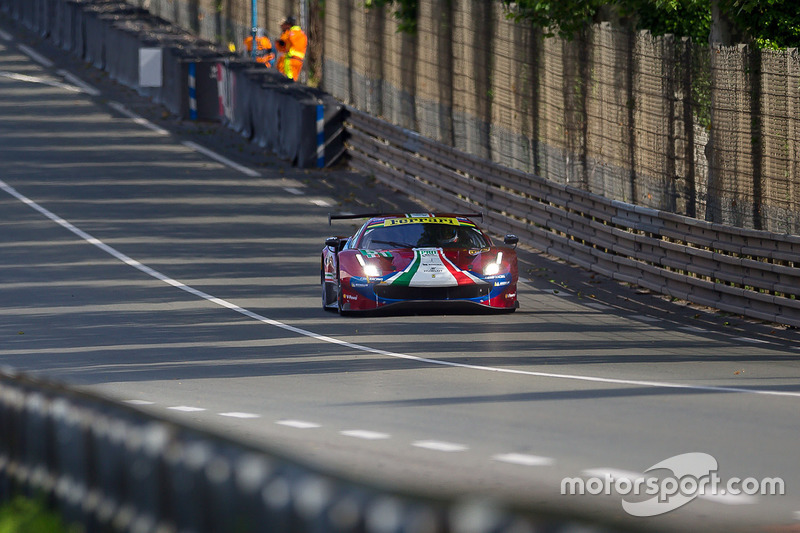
(707, 132)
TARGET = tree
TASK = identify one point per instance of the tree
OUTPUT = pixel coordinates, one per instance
(773, 23)
(767, 23)
(770, 23)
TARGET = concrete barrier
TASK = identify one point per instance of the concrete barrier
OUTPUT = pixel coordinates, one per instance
(274, 113)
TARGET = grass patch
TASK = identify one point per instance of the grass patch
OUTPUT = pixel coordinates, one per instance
(25, 515)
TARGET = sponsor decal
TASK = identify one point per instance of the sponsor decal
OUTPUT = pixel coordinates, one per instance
(369, 254)
(421, 220)
(476, 251)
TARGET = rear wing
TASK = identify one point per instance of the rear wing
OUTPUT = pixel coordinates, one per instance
(350, 216)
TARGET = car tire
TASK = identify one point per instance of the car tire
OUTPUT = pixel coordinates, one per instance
(328, 296)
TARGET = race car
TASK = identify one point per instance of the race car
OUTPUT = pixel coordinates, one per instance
(418, 260)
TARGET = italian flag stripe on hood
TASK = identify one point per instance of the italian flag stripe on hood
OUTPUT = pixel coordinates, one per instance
(430, 268)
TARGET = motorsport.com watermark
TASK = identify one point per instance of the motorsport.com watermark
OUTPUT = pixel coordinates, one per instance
(693, 475)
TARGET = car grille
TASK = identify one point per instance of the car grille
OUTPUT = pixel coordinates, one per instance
(461, 292)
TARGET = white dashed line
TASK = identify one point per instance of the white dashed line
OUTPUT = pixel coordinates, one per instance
(599, 307)
(137, 119)
(730, 499)
(138, 402)
(298, 424)
(221, 159)
(644, 318)
(693, 329)
(186, 409)
(73, 79)
(523, 459)
(614, 473)
(237, 414)
(294, 190)
(440, 446)
(364, 434)
(321, 203)
(36, 56)
(368, 349)
(6, 37)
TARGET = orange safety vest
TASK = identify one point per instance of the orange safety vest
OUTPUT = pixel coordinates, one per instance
(264, 53)
(293, 45)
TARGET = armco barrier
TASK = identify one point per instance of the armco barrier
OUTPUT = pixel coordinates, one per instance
(747, 272)
(109, 467)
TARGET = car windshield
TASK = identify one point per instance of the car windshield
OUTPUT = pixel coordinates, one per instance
(422, 235)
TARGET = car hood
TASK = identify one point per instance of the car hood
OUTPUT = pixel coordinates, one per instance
(421, 267)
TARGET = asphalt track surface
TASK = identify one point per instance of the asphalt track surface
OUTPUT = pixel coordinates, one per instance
(138, 264)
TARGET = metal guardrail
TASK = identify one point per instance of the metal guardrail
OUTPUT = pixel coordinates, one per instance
(747, 272)
(110, 467)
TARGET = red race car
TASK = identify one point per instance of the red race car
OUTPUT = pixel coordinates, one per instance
(420, 260)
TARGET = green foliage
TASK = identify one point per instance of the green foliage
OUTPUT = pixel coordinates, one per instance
(570, 17)
(770, 23)
(406, 12)
(566, 17)
(22, 515)
(682, 18)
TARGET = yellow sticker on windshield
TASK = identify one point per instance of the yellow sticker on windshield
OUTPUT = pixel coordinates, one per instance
(421, 220)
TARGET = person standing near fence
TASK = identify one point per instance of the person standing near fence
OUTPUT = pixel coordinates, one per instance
(292, 48)
(264, 52)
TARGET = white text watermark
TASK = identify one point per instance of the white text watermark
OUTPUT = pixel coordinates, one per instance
(692, 475)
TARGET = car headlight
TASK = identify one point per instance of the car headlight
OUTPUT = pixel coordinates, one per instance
(494, 267)
(370, 270)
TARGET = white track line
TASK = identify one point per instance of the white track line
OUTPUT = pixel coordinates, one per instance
(42, 81)
(5, 36)
(137, 119)
(752, 341)
(360, 347)
(36, 56)
(224, 160)
(75, 80)
(186, 409)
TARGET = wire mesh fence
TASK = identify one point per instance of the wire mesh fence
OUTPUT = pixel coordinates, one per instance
(659, 121)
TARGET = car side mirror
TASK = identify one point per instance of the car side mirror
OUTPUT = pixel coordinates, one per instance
(511, 240)
(333, 242)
